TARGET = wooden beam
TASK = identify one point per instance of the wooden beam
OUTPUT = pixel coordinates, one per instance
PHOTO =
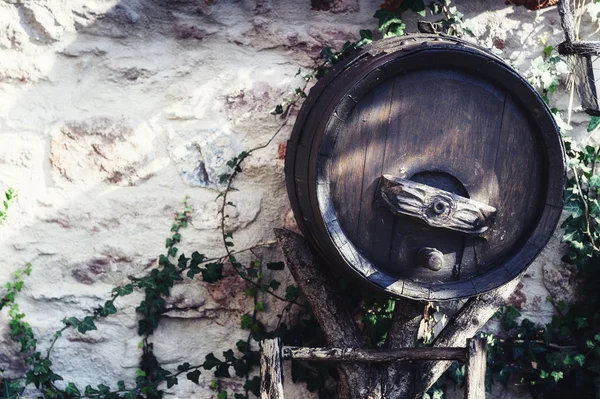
(357, 380)
(372, 355)
(271, 369)
(475, 370)
(465, 323)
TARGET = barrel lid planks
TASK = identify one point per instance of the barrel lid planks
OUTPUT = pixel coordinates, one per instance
(426, 167)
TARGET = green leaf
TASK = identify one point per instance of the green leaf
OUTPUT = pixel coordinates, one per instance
(241, 346)
(103, 389)
(72, 390)
(90, 391)
(222, 371)
(109, 308)
(594, 123)
(87, 324)
(71, 321)
(253, 385)
(247, 321)
(366, 34)
(212, 272)
(259, 307)
(193, 376)
(292, 292)
(124, 290)
(222, 395)
(198, 256)
(210, 361)
(557, 375)
(229, 355)
(274, 285)
(171, 381)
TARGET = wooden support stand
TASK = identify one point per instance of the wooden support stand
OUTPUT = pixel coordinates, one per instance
(273, 354)
(394, 377)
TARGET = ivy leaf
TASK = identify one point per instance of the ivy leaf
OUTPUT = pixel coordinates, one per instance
(124, 290)
(71, 321)
(247, 321)
(222, 395)
(366, 37)
(573, 206)
(103, 389)
(222, 371)
(87, 324)
(212, 273)
(109, 308)
(90, 391)
(417, 6)
(241, 345)
(292, 292)
(72, 390)
(253, 385)
(229, 355)
(183, 367)
(210, 361)
(193, 376)
(557, 375)
(198, 256)
(171, 381)
(594, 123)
(274, 284)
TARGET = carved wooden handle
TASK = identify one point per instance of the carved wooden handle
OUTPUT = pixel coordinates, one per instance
(437, 208)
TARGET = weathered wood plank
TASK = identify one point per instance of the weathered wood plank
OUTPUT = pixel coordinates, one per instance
(331, 311)
(519, 177)
(372, 355)
(375, 122)
(462, 326)
(437, 208)
(400, 379)
(475, 370)
(271, 369)
(450, 144)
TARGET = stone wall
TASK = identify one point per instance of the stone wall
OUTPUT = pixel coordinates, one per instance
(112, 111)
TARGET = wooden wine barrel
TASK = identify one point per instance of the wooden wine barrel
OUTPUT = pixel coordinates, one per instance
(426, 167)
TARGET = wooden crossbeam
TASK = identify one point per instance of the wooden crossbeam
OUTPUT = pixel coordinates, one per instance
(273, 354)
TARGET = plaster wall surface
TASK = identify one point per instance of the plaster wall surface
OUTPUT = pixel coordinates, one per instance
(112, 111)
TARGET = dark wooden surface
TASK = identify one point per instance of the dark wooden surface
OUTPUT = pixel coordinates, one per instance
(439, 112)
(406, 380)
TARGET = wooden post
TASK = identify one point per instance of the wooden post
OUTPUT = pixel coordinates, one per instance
(475, 371)
(271, 369)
